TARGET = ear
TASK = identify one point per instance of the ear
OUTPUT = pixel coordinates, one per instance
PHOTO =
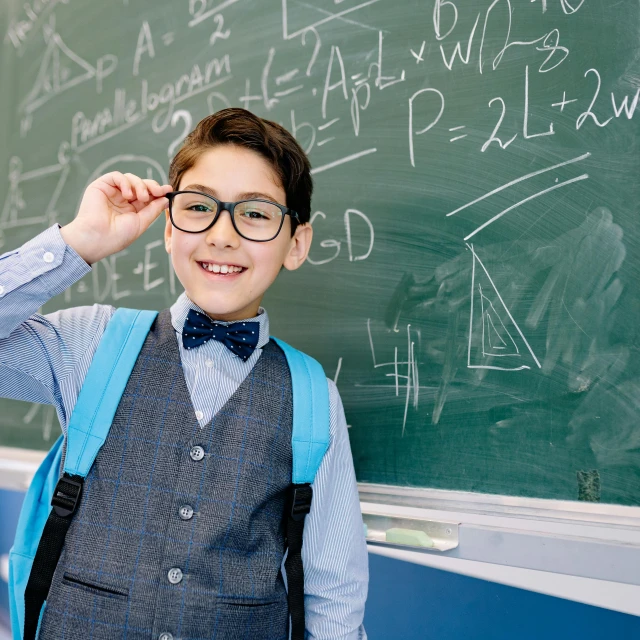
(299, 247)
(168, 230)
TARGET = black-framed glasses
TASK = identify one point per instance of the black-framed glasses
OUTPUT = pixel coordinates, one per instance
(257, 220)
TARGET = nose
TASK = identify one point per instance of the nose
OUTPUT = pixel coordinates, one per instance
(223, 233)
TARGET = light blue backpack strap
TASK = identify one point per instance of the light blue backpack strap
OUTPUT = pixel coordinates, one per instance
(103, 387)
(310, 438)
(33, 516)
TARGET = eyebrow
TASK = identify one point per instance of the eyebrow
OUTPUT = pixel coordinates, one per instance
(242, 196)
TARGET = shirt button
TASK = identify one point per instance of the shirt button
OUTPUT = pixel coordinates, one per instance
(175, 575)
(196, 453)
(199, 415)
(165, 636)
(1, 290)
(186, 512)
(48, 257)
(209, 362)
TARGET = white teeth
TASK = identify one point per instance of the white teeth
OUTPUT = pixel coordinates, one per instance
(221, 268)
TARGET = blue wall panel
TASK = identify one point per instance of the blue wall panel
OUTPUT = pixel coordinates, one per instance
(412, 602)
(10, 503)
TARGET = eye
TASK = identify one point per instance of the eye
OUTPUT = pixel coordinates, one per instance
(199, 208)
(254, 214)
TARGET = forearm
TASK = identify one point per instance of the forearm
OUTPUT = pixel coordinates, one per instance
(33, 274)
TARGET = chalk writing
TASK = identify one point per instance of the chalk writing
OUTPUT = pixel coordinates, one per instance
(409, 382)
(35, 11)
(350, 227)
(126, 112)
(289, 32)
(61, 69)
(144, 46)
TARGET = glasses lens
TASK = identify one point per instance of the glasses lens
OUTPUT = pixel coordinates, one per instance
(257, 220)
(193, 211)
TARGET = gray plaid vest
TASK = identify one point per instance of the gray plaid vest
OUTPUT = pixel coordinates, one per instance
(180, 531)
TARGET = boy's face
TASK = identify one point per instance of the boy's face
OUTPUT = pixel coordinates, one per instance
(230, 172)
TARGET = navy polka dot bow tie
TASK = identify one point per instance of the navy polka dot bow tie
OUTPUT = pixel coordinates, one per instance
(240, 338)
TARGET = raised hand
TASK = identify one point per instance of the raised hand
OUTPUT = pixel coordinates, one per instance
(116, 210)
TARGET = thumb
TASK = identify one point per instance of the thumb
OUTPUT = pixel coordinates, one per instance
(151, 212)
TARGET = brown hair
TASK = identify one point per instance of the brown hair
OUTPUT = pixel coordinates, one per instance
(273, 142)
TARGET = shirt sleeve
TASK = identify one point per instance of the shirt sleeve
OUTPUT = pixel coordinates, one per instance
(44, 358)
(334, 550)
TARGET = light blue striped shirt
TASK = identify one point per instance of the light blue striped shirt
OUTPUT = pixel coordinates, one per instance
(45, 358)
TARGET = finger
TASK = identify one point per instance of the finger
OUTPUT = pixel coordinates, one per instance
(152, 187)
(138, 205)
(142, 193)
(120, 182)
(149, 213)
(141, 189)
(156, 189)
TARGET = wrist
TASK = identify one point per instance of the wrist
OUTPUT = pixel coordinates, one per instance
(83, 243)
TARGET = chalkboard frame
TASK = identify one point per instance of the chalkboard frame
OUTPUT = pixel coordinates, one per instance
(585, 552)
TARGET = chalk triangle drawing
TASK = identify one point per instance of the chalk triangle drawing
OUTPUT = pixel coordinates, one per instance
(495, 339)
(60, 70)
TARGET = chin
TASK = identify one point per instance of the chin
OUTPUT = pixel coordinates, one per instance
(219, 308)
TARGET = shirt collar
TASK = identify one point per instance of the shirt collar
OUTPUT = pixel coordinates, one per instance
(181, 307)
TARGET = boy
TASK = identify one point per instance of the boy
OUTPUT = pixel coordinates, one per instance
(179, 533)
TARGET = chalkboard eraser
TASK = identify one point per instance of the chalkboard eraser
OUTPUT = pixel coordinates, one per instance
(411, 537)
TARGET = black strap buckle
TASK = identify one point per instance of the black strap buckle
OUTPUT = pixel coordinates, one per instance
(300, 501)
(66, 495)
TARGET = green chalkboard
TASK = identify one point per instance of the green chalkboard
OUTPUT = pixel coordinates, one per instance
(474, 280)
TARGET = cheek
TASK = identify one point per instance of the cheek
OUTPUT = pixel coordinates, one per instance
(268, 259)
(183, 245)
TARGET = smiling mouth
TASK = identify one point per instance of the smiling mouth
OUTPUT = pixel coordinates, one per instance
(222, 269)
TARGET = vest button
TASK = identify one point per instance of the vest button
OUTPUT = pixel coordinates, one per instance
(197, 453)
(175, 575)
(165, 636)
(186, 512)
